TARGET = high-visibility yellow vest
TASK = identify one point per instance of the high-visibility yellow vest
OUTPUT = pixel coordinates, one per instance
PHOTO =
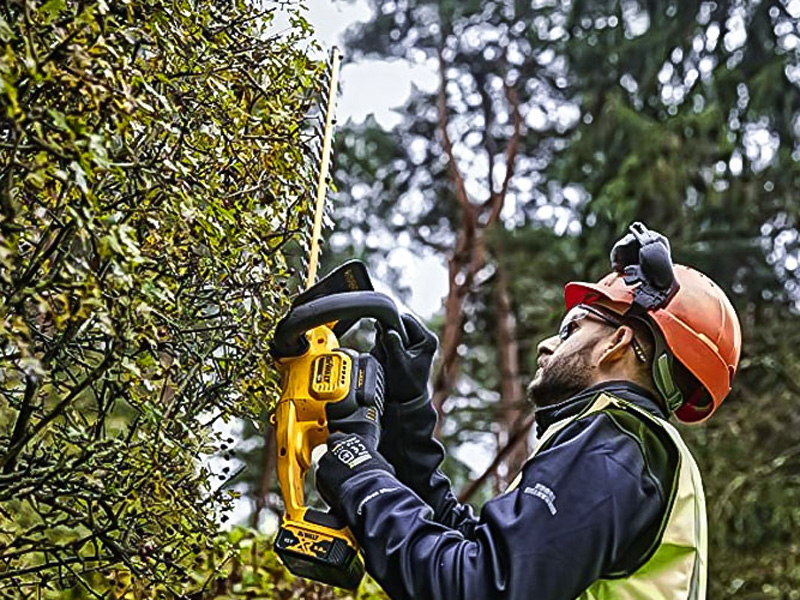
(675, 567)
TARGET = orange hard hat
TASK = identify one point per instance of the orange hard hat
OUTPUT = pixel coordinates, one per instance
(698, 325)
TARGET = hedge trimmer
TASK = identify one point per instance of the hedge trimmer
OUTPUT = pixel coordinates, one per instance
(321, 380)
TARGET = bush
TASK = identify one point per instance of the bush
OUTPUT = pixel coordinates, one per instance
(237, 564)
(155, 165)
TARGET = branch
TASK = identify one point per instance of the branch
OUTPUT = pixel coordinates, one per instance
(39, 568)
(37, 262)
(466, 260)
(513, 145)
(511, 393)
(268, 458)
(7, 462)
(498, 199)
(23, 417)
(488, 118)
(447, 144)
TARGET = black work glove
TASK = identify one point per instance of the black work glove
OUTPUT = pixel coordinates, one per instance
(406, 370)
(409, 421)
(364, 419)
(347, 456)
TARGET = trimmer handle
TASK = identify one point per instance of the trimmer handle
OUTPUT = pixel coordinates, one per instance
(290, 340)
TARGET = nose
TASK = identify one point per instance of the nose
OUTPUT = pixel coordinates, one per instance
(548, 346)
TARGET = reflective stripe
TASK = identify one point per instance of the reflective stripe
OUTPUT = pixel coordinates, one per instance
(677, 569)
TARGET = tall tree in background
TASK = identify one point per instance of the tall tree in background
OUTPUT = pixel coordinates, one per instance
(463, 162)
(553, 127)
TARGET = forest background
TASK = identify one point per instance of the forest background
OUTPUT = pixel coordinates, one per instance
(137, 297)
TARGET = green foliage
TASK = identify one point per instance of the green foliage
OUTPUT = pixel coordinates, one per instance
(155, 164)
(238, 564)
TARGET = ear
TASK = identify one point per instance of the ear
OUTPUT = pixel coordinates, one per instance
(614, 348)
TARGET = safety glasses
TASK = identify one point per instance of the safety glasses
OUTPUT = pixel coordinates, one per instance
(581, 311)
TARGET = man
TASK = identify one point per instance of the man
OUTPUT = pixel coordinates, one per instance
(610, 504)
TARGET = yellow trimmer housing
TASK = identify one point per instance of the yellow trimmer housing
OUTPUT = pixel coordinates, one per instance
(322, 381)
(312, 543)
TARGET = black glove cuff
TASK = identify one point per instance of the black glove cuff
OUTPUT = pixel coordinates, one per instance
(347, 456)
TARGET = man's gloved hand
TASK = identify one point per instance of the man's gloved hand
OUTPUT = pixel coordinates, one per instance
(347, 456)
(406, 370)
(410, 419)
(365, 421)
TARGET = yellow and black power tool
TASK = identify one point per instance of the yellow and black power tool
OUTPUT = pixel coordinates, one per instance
(322, 381)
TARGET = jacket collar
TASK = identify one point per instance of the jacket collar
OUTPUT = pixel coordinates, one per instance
(633, 393)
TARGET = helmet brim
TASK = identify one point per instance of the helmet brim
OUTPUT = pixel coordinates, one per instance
(616, 297)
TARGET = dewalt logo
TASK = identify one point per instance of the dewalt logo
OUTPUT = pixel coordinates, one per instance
(329, 376)
(324, 371)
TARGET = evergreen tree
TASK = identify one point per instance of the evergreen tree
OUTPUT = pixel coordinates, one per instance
(554, 126)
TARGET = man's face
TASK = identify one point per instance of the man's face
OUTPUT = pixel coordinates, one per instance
(566, 361)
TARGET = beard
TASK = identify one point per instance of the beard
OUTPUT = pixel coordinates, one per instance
(556, 381)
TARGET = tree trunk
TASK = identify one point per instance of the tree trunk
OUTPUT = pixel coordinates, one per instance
(469, 254)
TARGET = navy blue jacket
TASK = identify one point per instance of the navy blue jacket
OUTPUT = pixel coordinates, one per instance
(588, 507)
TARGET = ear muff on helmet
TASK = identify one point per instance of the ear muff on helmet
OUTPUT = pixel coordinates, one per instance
(664, 377)
(663, 368)
(697, 335)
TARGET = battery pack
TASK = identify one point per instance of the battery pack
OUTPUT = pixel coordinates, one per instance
(319, 554)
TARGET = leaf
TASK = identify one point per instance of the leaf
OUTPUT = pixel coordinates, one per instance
(52, 8)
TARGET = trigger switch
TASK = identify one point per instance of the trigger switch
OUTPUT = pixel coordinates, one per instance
(370, 382)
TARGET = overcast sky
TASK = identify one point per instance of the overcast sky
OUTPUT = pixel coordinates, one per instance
(378, 87)
(367, 86)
